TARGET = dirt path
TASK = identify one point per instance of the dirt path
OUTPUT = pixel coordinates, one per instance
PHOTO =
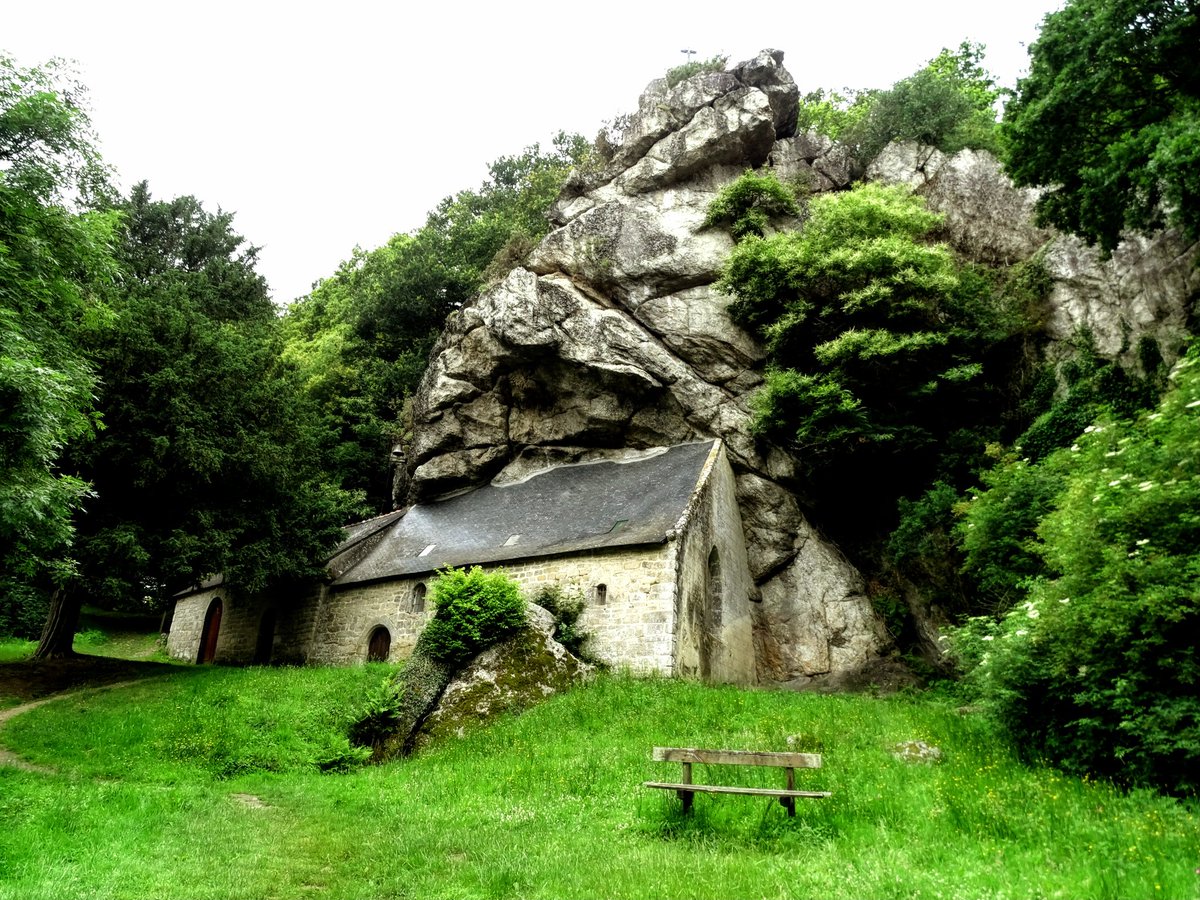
(7, 757)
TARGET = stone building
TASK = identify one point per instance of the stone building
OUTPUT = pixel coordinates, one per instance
(652, 541)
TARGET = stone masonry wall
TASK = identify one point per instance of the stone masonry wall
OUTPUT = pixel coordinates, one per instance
(715, 636)
(187, 622)
(631, 624)
(346, 618)
(237, 637)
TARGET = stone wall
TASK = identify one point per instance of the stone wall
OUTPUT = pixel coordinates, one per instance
(187, 623)
(632, 621)
(346, 618)
(238, 633)
(243, 620)
(715, 636)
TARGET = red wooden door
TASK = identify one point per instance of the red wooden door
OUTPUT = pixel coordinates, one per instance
(212, 628)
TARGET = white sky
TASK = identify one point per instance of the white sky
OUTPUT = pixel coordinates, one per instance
(327, 125)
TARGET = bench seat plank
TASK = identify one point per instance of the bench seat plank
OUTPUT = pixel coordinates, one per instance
(724, 789)
(737, 757)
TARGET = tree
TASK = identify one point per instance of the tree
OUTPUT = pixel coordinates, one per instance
(1109, 118)
(948, 104)
(878, 347)
(54, 261)
(209, 461)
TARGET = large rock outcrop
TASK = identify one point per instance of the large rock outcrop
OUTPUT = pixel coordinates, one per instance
(612, 336)
(1148, 287)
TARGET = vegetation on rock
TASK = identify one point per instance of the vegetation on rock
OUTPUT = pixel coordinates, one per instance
(474, 609)
(748, 204)
(949, 104)
(878, 341)
(695, 67)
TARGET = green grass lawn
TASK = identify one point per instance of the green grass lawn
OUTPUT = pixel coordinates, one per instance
(549, 805)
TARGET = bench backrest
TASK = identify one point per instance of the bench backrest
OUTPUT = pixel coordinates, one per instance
(737, 757)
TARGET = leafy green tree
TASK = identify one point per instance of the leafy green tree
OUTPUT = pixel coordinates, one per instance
(882, 374)
(948, 104)
(209, 459)
(1109, 118)
(54, 262)
(852, 309)
(833, 113)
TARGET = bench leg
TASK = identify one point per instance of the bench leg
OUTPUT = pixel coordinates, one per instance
(789, 803)
(686, 797)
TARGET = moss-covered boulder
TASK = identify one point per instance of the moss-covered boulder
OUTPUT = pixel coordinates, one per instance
(507, 678)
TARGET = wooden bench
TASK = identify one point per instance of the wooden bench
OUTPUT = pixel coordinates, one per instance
(688, 756)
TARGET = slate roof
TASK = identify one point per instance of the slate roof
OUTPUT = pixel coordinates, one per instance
(564, 509)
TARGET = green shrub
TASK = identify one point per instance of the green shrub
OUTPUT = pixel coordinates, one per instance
(695, 67)
(474, 610)
(948, 104)
(748, 204)
(1093, 385)
(854, 312)
(566, 607)
(998, 531)
(1098, 669)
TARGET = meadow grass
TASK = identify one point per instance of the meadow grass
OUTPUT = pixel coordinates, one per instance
(549, 804)
(15, 649)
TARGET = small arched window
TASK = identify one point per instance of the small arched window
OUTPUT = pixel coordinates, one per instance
(600, 594)
(716, 590)
(418, 597)
(379, 645)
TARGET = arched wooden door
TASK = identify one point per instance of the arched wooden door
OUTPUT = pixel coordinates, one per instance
(212, 629)
(379, 645)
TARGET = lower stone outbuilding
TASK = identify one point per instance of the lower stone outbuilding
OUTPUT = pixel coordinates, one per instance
(652, 543)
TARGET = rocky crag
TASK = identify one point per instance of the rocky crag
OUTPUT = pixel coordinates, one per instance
(612, 336)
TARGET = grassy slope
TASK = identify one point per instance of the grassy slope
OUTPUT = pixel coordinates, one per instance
(549, 804)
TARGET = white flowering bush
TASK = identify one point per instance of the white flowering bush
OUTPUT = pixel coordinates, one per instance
(1097, 669)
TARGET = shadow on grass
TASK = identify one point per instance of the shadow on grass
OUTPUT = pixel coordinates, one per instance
(33, 679)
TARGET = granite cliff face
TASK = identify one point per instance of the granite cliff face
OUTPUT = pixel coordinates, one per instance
(1148, 288)
(612, 337)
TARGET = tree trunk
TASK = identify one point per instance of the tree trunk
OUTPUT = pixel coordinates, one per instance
(61, 625)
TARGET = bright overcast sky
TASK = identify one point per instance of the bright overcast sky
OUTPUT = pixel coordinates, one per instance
(323, 126)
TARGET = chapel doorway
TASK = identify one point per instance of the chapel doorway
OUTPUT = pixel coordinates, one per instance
(211, 631)
(379, 645)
